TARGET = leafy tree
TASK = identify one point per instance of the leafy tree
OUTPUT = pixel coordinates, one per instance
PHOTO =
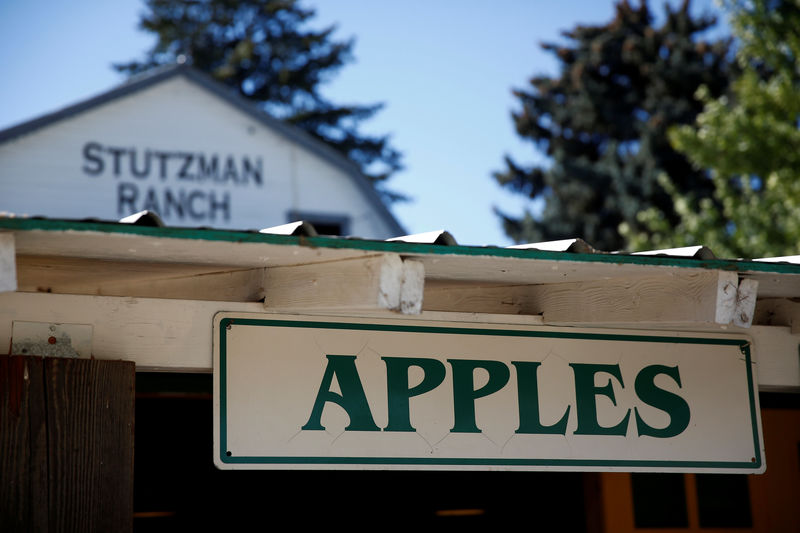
(263, 50)
(750, 141)
(603, 121)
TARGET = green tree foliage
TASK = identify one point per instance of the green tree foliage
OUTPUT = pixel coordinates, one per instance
(750, 141)
(603, 121)
(264, 50)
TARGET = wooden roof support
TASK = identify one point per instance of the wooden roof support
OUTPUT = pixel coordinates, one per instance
(77, 275)
(167, 334)
(746, 295)
(8, 269)
(378, 282)
(710, 297)
(779, 312)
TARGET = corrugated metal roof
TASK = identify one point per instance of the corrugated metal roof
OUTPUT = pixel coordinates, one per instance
(793, 259)
(445, 238)
(431, 237)
(698, 252)
(299, 228)
(566, 245)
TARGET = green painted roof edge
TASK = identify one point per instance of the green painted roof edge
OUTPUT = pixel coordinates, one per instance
(399, 247)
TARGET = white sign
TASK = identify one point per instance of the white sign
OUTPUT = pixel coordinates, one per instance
(345, 393)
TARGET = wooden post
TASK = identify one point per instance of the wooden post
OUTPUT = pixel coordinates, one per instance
(66, 444)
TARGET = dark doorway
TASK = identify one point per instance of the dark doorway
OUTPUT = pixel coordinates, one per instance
(177, 487)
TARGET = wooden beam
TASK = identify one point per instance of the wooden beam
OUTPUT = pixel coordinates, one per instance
(695, 297)
(68, 275)
(8, 269)
(176, 335)
(157, 334)
(160, 334)
(778, 312)
(478, 298)
(379, 282)
(229, 286)
(776, 352)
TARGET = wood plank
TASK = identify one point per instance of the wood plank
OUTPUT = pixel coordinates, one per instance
(155, 333)
(175, 335)
(383, 281)
(37, 411)
(232, 286)
(66, 444)
(778, 312)
(114, 246)
(694, 297)
(776, 352)
(478, 298)
(376, 281)
(90, 413)
(60, 275)
(23, 446)
(46, 273)
(356, 284)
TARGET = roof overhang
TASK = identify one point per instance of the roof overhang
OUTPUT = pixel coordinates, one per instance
(99, 264)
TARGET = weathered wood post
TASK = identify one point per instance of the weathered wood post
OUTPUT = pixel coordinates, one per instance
(66, 444)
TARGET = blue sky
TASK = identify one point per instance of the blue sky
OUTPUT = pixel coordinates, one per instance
(443, 69)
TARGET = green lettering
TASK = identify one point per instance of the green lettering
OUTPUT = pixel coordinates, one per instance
(528, 395)
(672, 404)
(399, 394)
(586, 393)
(352, 399)
(464, 393)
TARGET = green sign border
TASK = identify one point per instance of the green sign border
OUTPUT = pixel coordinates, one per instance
(224, 324)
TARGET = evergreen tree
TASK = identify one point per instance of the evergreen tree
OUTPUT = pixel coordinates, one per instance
(263, 50)
(603, 121)
(750, 142)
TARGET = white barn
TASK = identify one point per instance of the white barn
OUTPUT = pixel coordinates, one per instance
(177, 143)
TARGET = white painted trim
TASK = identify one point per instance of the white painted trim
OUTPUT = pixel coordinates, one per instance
(778, 312)
(157, 334)
(377, 282)
(746, 296)
(777, 355)
(412, 287)
(727, 285)
(687, 297)
(175, 335)
(8, 269)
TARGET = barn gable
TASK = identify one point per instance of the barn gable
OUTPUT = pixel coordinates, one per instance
(178, 143)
